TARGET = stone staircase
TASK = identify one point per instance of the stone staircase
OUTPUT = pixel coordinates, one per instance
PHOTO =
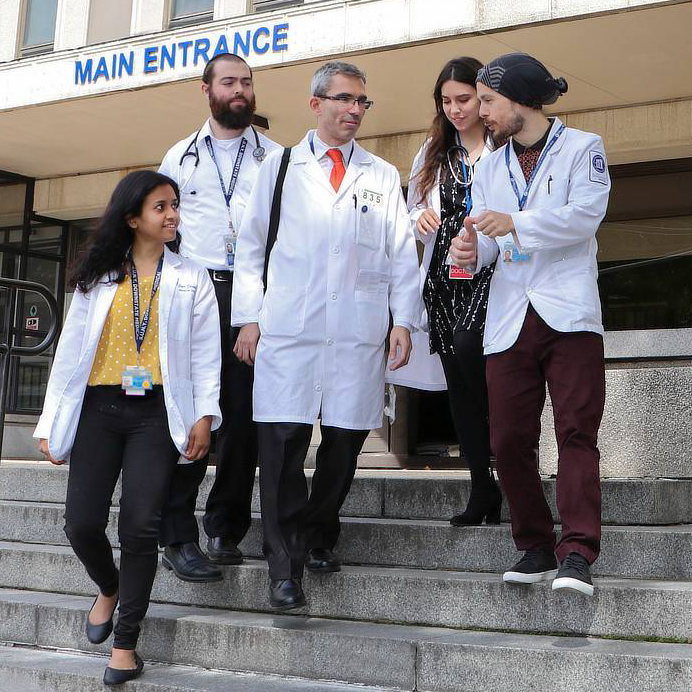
(419, 606)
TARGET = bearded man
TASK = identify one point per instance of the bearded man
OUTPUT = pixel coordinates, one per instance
(216, 169)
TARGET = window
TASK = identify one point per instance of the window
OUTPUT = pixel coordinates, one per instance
(645, 247)
(191, 12)
(267, 5)
(109, 20)
(39, 26)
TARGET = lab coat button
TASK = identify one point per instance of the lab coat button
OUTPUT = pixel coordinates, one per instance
(330, 342)
(337, 207)
(529, 289)
(318, 388)
(335, 249)
(333, 296)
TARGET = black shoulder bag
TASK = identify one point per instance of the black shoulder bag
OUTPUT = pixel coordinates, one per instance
(275, 214)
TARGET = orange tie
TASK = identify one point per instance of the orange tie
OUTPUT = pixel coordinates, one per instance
(338, 170)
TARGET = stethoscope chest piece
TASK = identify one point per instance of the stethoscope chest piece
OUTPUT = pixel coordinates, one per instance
(260, 153)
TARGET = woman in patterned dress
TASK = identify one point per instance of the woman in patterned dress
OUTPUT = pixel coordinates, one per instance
(440, 195)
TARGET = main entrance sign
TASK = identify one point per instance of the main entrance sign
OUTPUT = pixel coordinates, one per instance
(171, 55)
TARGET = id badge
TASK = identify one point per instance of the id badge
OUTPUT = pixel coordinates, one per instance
(511, 253)
(136, 380)
(458, 273)
(229, 244)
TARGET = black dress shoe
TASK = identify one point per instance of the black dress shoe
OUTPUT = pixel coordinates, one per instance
(117, 676)
(322, 560)
(189, 563)
(97, 634)
(223, 551)
(286, 594)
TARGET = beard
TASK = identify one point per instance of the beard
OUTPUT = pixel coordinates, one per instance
(513, 125)
(232, 117)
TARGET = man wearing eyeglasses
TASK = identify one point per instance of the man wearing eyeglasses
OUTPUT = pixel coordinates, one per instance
(344, 258)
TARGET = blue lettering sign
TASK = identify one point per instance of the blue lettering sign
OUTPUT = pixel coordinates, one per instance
(238, 43)
(262, 31)
(167, 55)
(201, 50)
(280, 35)
(173, 55)
(82, 73)
(150, 59)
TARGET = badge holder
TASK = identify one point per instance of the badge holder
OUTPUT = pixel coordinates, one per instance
(511, 253)
(230, 240)
(136, 380)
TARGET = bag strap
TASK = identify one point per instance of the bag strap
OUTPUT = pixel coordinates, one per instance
(275, 214)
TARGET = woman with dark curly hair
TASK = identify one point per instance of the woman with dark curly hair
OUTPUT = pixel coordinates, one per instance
(134, 388)
(440, 194)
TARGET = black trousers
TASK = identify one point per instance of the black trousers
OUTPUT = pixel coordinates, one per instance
(229, 504)
(129, 434)
(292, 522)
(468, 402)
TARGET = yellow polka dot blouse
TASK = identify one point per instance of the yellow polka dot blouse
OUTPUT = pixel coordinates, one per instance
(117, 347)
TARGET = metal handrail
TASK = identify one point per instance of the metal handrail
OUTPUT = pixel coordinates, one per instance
(7, 349)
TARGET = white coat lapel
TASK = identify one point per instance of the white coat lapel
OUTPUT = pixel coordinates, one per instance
(103, 299)
(169, 280)
(360, 160)
(306, 164)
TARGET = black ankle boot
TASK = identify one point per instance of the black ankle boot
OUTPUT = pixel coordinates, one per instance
(485, 503)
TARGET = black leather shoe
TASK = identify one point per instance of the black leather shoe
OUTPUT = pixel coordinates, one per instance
(189, 563)
(223, 551)
(286, 594)
(322, 560)
(117, 676)
(97, 634)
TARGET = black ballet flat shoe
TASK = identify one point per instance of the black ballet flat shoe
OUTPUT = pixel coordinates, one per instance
(117, 676)
(97, 634)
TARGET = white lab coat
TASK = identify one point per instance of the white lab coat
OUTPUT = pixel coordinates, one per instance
(203, 212)
(424, 369)
(335, 273)
(566, 204)
(189, 352)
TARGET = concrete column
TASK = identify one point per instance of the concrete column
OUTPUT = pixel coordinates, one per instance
(9, 29)
(71, 24)
(224, 9)
(149, 16)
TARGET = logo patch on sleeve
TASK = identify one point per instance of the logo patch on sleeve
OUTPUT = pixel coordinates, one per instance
(598, 172)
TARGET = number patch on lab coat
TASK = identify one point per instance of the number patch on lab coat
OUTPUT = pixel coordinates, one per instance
(370, 197)
(369, 219)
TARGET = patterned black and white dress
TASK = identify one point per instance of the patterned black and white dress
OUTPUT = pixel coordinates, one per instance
(453, 304)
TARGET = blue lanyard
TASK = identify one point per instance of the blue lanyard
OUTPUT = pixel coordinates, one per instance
(236, 169)
(521, 199)
(311, 141)
(141, 329)
(465, 177)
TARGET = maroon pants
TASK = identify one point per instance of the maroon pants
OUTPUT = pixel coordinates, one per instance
(572, 365)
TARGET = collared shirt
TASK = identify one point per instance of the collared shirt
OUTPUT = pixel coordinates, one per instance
(321, 154)
(203, 213)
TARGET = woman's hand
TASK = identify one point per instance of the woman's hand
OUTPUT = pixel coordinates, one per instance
(43, 447)
(428, 222)
(198, 442)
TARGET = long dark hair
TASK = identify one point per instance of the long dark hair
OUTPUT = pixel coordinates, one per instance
(442, 133)
(108, 243)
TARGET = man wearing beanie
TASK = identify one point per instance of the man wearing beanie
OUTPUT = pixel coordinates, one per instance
(537, 204)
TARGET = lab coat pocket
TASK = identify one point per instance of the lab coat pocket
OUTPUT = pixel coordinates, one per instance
(372, 307)
(368, 226)
(180, 317)
(283, 310)
(557, 192)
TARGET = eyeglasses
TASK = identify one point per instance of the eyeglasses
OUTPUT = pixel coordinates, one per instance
(346, 101)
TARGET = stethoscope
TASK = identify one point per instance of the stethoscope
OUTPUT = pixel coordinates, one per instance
(259, 153)
(466, 171)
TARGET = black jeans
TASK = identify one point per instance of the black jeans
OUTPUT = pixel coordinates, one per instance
(293, 523)
(229, 504)
(129, 433)
(468, 401)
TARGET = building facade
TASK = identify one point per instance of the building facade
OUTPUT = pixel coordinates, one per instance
(91, 89)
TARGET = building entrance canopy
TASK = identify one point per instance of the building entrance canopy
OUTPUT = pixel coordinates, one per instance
(50, 126)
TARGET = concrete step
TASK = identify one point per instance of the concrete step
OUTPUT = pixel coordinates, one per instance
(25, 669)
(425, 659)
(648, 552)
(621, 607)
(407, 494)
